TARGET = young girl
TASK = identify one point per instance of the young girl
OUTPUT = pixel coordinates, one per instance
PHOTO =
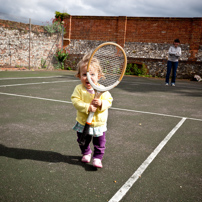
(84, 102)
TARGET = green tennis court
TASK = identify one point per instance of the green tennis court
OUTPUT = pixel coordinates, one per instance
(154, 141)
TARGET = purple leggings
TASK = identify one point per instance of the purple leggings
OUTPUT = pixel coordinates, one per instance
(99, 145)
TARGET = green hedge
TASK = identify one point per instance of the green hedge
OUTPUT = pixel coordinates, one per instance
(133, 69)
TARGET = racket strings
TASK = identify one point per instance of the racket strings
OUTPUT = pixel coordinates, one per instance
(111, 60)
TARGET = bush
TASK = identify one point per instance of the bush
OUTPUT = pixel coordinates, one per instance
(57, 24)
(128, 69)
(144, 69)
(60, 16)
(53, 27)
(133, 69)
(61, 56)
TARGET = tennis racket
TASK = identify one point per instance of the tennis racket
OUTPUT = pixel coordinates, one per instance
(113, 61)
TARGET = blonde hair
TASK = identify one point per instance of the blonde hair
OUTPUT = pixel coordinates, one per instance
(94, 64)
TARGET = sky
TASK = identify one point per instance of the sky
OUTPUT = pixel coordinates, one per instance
(44, 10)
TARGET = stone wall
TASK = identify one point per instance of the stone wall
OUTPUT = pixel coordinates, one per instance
(153, 50)
(153, 55)
(199, 54)
(20, 48)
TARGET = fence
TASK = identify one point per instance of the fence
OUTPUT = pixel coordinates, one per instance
(25, 43)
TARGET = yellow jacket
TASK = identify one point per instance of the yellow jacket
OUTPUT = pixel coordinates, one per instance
(81, 100)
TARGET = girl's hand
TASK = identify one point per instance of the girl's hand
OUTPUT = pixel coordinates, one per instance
(92, 108)
(97, 102)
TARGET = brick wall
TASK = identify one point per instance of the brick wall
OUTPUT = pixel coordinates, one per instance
(145, 40)
(137, 29)
(159, 30)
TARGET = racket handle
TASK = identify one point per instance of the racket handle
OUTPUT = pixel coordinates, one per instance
(82, 139)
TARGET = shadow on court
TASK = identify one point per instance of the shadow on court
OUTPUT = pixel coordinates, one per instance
(46, 156)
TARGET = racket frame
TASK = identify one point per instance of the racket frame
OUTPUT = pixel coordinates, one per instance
(102, 88)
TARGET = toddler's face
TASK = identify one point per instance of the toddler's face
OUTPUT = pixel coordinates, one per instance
(83, 77)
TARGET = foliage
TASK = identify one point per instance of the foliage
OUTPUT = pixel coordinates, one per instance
(60, 16)
(61, 56)
(144, 69)
(133, 69)
(57, 24)
(129, 69)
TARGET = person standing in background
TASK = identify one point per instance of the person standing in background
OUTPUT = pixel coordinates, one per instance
(173, 57)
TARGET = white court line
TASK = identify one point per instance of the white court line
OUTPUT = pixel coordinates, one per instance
(142, 112)
(153, 113)
(129, 183)
(113, 108)
(26, 84)
(39, 98)
(188, 86)
(45, 77)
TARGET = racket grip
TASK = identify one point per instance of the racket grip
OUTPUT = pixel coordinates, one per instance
(82, 140)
